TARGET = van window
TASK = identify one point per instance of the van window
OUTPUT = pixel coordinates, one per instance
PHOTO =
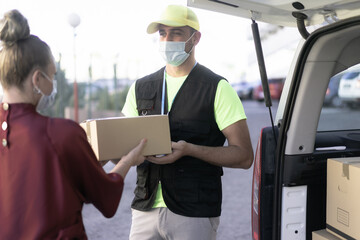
(350, 75)
(341, 108)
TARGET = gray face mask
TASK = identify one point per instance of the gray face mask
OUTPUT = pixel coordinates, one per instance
(46, 101)
(174, 52)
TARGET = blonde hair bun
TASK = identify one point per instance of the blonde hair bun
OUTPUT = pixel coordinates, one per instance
(13, 27)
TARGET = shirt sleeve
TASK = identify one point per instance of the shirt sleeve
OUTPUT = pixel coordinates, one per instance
(85, 173)
(130, 107)
(228, 106)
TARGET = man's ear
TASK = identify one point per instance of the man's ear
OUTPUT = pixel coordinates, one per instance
(197, 37)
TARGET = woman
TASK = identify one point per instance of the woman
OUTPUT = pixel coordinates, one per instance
(47, 168)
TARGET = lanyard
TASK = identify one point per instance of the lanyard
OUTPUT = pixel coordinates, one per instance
(163, 91)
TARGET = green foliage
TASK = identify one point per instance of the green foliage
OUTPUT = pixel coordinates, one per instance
(122, 97)
(100, 98)
(65, 95)
(114, 101)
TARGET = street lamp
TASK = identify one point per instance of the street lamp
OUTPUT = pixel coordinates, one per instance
(74, 21)
(90, 80)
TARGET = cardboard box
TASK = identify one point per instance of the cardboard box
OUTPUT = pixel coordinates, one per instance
(112, 138)
(323, 235)
(343, 196)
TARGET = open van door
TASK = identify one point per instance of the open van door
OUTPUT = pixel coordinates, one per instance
(289, 198)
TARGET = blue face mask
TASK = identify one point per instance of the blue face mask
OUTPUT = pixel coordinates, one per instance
(46, 101)
(174, 52)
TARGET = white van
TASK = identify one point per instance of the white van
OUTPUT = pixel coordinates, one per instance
(349, 88)
(289, 193)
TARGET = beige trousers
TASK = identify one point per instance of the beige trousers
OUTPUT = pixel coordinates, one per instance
(162, 224)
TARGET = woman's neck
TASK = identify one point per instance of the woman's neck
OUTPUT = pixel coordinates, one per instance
(15, 95)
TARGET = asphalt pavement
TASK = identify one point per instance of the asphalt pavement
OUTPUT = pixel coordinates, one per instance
(236, 208)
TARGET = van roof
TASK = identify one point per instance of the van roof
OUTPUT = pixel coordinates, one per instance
(281, 12)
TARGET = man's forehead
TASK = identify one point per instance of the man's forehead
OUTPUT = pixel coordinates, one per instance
(169, 28)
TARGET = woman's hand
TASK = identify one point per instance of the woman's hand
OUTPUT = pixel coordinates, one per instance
(136, 156)
(133, 158)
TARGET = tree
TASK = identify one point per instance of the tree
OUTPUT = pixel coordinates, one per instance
(65, 94)
(107, 101)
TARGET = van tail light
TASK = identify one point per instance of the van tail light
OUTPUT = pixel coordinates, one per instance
(256, 188)
(357, 85)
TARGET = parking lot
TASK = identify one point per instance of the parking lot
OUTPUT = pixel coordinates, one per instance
(235, 218)
(236, 209)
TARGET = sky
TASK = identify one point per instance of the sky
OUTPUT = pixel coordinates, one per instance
(114, 32)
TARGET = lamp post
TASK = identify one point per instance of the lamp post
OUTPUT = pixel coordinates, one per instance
(74, 21)
(116, 103)
(90, 80)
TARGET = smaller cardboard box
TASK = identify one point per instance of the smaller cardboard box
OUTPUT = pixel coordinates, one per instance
(323, 235)
(343, 196)
(112, 138)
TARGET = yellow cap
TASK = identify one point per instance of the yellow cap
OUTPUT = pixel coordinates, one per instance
(175, 16)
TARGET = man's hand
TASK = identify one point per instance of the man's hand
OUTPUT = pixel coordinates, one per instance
(178, 150)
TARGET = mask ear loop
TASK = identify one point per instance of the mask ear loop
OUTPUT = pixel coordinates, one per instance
(192, 48)
(36, 90)
(190, 37)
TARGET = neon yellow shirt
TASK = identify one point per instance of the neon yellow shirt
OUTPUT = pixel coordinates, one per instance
(227, 105)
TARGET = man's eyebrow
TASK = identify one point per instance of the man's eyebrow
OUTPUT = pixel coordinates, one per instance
(177, 30)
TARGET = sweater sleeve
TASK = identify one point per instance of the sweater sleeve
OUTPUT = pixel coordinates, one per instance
(85, 173)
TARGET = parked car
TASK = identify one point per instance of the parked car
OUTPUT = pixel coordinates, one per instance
(244, 89)
(289, 196)
(275, 86)
(349, 88)
(332, 98)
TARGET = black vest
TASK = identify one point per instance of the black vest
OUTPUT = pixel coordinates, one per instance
(190, 187)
